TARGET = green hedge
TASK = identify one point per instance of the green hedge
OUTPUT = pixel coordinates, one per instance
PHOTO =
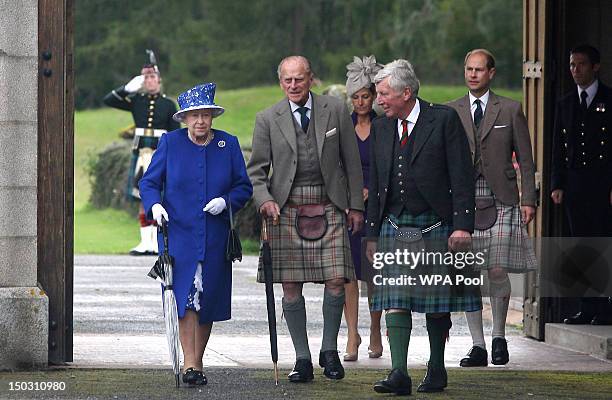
(108, 174)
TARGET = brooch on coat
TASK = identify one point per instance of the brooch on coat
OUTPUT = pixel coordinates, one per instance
(600, 107)
(221, 143)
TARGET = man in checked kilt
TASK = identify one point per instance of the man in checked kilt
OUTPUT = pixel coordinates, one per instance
(305, 156)
(497, 129)
(421, 178)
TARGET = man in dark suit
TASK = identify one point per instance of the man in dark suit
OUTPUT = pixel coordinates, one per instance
(582, 168)
(421, 176)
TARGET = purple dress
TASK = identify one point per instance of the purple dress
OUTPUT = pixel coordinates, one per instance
(364, 153)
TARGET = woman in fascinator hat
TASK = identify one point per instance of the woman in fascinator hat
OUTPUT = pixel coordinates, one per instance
(361, 91)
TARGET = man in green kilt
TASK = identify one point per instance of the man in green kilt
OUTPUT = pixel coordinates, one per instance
(421, 191)
(152, 113)
(307, 184)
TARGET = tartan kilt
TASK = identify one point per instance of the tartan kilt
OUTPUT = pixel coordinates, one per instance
(422, 298)
(297, 260)
(507, 243)
(141, 159)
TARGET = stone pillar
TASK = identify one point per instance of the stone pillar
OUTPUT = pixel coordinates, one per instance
(24, 318)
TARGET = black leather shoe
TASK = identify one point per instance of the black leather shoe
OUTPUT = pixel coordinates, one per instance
(476, 357)
(330, 361)
(578, 319)
(499, 352)
(601, 320)
(302, 372)
(435, 380)
(192, 376)
(396, 382)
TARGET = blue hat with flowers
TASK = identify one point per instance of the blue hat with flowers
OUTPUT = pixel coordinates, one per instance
(197, 98)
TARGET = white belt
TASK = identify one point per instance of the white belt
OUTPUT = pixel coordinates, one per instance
(149, 132)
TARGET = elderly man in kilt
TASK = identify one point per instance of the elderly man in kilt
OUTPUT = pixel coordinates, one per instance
(421, 181)
(497, 129)
(307, 184)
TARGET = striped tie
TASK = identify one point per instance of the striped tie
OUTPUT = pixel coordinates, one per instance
(404, 138)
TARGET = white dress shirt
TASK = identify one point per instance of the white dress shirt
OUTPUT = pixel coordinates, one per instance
(484, 99)
(591, 92)
(412, 119)
(296, 113)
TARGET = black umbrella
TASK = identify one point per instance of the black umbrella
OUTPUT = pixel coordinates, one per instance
(163, 271)
(266, 255)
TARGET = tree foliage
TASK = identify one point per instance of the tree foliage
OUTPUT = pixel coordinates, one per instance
(238, 43)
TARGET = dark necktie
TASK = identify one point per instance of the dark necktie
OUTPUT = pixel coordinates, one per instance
(404, 138)
(583, 101)
(477, 113)
(304, 120)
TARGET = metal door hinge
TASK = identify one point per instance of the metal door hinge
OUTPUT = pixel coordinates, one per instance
(532, 69)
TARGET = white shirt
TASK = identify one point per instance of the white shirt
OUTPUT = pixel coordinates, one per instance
(412, 119)
(591, 92)
(296, 113)
(484, 99)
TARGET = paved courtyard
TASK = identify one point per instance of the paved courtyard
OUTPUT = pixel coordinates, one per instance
(118, 322)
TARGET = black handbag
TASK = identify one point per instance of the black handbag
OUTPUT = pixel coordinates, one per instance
(233, 251)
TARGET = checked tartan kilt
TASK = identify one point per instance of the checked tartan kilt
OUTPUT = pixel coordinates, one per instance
(422, 298)
(507, 243)
(297, 260)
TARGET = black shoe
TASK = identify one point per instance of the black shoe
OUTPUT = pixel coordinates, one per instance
(601, 320)
(578, 319)
(476, 357)
(302, 372)
(330, 361)
(499, 352)
(192, 376)
(435, 380)
(396, 382)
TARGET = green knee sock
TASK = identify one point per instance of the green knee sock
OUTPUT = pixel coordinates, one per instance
(332, 316)
(399, 326)
(437, 329)
(295, 315)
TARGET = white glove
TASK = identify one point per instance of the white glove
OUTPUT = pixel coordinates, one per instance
(135, 84)
(215, 206)
(158, 212)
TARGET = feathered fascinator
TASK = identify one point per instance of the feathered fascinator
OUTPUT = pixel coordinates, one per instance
(360, 74)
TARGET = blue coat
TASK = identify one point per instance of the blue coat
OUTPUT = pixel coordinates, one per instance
(183, 177)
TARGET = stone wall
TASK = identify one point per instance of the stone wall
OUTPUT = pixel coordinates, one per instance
(23, 306)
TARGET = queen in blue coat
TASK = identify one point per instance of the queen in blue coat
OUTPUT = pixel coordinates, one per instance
(194, 174)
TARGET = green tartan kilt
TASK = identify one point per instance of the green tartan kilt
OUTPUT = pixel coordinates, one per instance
(422, 298)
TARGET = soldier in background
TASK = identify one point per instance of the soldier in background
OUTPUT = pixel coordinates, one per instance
(152, 113)
(582, 170)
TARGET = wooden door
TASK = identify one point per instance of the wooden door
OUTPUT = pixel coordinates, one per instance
(536, 105)
(55, 170)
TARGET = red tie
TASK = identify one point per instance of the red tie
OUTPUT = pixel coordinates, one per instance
(404, 138)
